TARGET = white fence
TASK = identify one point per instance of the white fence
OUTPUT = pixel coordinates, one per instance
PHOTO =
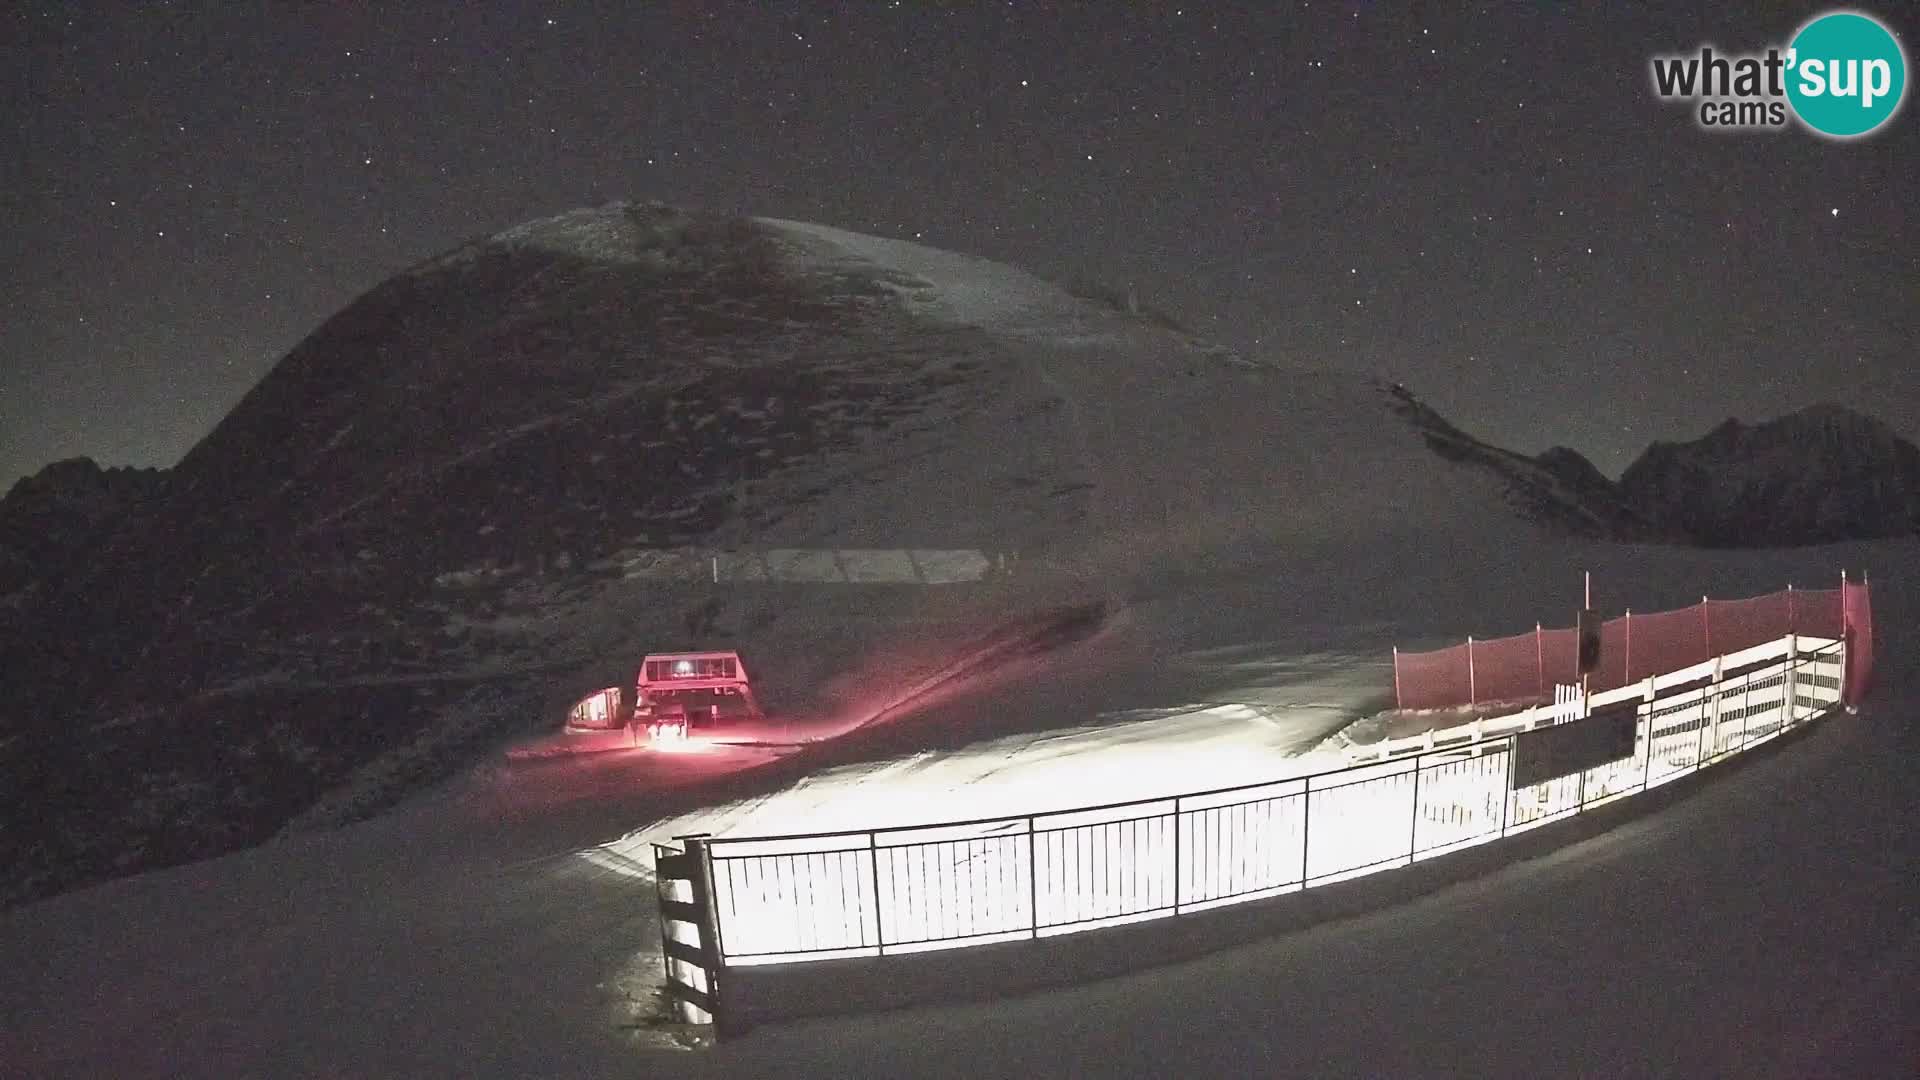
(888, 891)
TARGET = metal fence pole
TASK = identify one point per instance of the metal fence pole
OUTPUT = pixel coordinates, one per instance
(1033, 879)
(1176, 855)
(1506, 793)
(1396, 678)
(1539, 660)
(1626, 678)
(1792, 674)
(1413, 834)
(1306, 832)
(704, 895)
(1473, 694)
(873, 869)
(1646, 776)
(1710, 731)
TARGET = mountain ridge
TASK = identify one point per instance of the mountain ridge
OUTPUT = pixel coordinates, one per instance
(1820, 474)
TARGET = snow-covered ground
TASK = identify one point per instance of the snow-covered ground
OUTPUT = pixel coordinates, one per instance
(1762, 926)
(491, 929)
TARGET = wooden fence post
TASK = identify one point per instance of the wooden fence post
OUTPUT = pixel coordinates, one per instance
(693, 971)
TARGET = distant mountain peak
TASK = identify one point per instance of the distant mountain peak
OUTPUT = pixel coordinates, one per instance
(1573, 466)
(80, 479)
(1560, 488)
(1729, 430)
(1820, 474)
(50, 521)
(1828, 412)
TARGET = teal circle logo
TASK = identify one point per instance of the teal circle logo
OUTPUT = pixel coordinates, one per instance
(1846, 74)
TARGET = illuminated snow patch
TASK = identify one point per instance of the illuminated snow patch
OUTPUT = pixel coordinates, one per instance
(915, 888)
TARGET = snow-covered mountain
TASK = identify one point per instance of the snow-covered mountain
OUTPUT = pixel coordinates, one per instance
(412, 539)
(1819, 475)
(1559, 487)
(1573, 468)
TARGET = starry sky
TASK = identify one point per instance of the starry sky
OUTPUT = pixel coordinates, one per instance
(1485, 202)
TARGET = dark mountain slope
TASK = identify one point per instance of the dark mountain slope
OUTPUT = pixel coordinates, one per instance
(1820, 475)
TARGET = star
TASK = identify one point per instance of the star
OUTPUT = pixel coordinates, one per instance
(1173, 144)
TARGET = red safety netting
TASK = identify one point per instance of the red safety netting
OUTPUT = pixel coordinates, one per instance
(1818, 612)
(1508, 669)
(1666, 641)
(1432, 680)
(1560, 653)
(1856, 605)
(1632, 647)
(1733, 625)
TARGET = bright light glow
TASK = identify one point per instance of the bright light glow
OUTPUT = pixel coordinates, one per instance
(680, 744)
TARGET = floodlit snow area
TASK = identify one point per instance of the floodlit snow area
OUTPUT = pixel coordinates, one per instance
(1089, 759)
(892, 889)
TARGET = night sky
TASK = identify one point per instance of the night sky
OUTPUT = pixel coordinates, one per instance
(1487, 203)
